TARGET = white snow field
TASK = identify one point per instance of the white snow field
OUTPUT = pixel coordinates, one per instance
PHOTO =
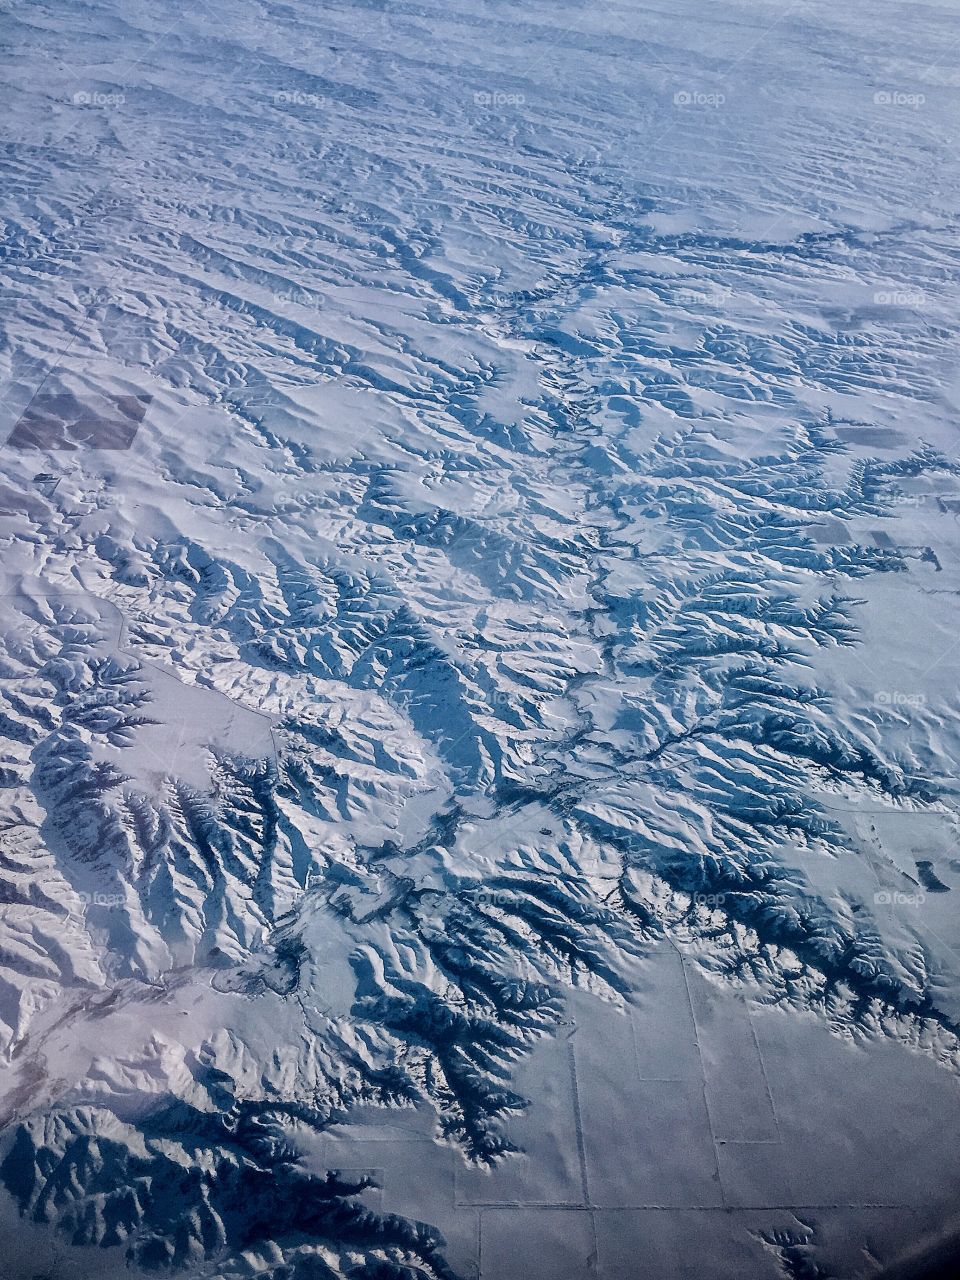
(479, 651)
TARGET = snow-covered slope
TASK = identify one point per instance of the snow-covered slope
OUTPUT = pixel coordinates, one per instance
(477, 523)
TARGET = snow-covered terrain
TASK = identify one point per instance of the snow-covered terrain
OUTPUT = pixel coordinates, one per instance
(479, 571)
